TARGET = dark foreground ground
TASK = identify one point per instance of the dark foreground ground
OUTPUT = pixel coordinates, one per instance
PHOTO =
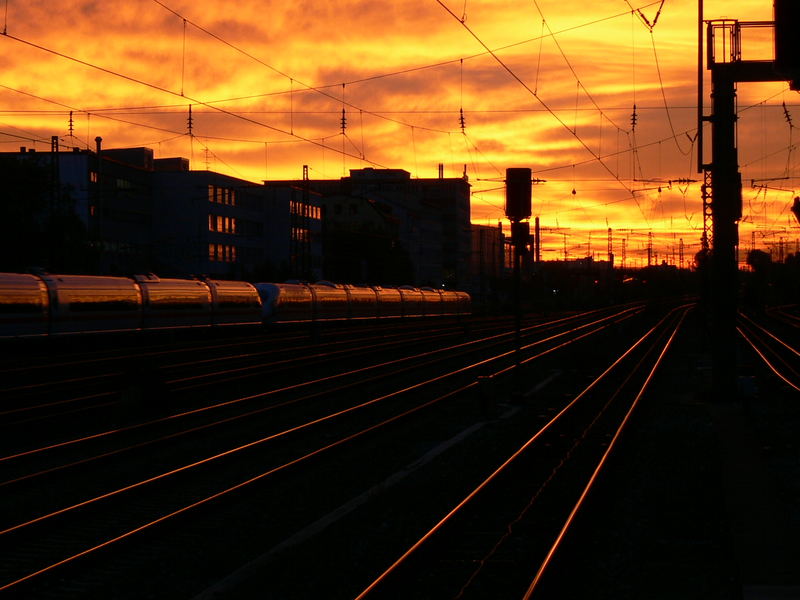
(704, 500)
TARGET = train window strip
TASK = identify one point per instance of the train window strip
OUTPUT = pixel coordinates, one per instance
(178, 306)
(238, 303)
(21, 306)
(92, 304)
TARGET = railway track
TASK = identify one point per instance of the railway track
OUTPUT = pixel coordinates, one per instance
(39, 366)
(786, 314)
(45, 388)
(175, 382)
(504, 533)
(775, 345)
(266, 474)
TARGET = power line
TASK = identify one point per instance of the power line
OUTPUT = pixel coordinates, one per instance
(159, 109)
(319, 90)
(661, 86)
(571, 68)
(402, 71)
(299, 139)
(290, 141)
(86, 112)
(524, 85)
(170, 92)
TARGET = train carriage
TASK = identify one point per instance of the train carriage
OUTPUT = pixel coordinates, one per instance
(390, 302)
(32, 305)
(169, 303)
(413, 305)
(234, 303)
(83, 303)
(24, 305)
(363, 301)
(331, 301)
(431, 302)
(285, 302)
(463, 302)
(450, 303)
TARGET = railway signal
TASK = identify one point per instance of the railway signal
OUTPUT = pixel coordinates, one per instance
(518, 208)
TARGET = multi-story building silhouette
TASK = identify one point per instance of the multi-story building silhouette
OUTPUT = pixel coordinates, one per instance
(121, 211)
(487, 259)
(382, 226)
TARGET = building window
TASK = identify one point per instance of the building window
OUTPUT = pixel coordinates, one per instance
(303, 209)
(222, 195)
(93, 176)
(222, 253)
(300, 235)
(223, 224)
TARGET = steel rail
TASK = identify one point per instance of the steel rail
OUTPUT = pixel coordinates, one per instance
(292, 387)
(486, 482)
(273, 436)
(770, 334)
(766, 361)
(276, 469)
(146, 355)
(602, 462)
(239, 400)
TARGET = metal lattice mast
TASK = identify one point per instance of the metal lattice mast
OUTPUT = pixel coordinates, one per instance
(706, 192)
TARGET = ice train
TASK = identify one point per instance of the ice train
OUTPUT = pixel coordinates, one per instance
(40, 305)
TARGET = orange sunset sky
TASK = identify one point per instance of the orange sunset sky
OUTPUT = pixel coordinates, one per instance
(267, 82)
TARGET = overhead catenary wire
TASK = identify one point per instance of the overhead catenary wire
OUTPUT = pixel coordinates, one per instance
(103, 116)
(168, 109)
(643, 18)
(178, 134)
(569, 64)
(527, 88)
(664, 94)
(320, 89)
(183, 57)
(261, 141)
(410, 69)
(292, 80)
(171, 92)
(185, 20)
(321, 140)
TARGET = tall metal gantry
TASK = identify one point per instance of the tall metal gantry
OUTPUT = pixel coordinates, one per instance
(724, 60)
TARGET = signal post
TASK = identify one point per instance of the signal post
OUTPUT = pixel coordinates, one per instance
(518, 210)
(726, 182)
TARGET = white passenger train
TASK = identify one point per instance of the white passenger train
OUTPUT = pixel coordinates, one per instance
(39, 305)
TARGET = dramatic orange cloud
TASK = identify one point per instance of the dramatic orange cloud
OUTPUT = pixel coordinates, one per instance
(562, 101)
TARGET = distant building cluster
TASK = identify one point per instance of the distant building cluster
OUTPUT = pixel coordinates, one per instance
(120, 211)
